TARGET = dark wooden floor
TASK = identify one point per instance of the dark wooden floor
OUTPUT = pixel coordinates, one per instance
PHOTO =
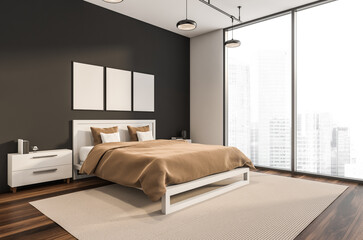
(343, 219)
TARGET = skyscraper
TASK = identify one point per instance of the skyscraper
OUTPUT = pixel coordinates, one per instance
(239, 107)
(314, 143)
(274, 125)
(340, 147)
(254, 143)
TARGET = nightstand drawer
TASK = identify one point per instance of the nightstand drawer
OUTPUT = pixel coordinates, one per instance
(25, 177)
(41, 160)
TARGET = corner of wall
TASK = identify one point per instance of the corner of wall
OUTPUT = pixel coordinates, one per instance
(206, 88)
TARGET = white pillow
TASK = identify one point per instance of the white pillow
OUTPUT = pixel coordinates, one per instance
(110, 137)
(144, 136)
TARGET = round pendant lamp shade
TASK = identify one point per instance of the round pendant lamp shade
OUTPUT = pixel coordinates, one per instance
(113, 1)
(186, 25)
(232, 43)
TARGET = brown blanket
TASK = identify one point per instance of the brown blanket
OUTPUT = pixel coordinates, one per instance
(153, 165)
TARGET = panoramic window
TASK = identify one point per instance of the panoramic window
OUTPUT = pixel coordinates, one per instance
(329, 89)
(259, 92)
(328, 100)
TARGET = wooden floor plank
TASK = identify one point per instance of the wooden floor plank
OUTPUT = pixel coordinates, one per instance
(343, 219)
(355, 230)
(24, 225)
(48, 232)
(45, 190)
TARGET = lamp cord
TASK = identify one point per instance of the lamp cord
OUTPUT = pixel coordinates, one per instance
(232, 27)
(186, 9)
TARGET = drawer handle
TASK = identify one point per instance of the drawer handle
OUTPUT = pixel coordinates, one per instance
(45, 171)
(46, 156)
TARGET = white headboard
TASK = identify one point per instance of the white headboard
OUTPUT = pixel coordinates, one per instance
(82, 135)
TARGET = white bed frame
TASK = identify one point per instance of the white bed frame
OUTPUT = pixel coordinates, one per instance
(167, 208)
(82, 137)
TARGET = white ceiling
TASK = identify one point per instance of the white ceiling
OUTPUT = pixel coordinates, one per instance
(166, 13)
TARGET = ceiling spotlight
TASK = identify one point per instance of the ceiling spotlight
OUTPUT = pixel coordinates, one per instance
(186, 24)
(113, 1)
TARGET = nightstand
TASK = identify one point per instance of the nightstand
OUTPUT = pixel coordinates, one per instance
(181, 139)
(42, 166)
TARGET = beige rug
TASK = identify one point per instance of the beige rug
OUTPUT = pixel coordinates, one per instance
(270, 207)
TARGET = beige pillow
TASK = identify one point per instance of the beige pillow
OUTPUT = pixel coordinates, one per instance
(133, 130)
(96, 133)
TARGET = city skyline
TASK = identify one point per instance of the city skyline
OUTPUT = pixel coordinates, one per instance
(323, 147)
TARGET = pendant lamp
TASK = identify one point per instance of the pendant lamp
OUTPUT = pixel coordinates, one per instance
(186, 24)
(233, 43)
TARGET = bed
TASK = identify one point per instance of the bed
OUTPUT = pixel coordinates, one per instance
(82, 137)
(160, 168)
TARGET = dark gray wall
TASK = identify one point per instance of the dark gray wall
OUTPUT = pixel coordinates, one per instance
(40, 38)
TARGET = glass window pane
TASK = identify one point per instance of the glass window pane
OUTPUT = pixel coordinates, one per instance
(329, 97)
(259, 92)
